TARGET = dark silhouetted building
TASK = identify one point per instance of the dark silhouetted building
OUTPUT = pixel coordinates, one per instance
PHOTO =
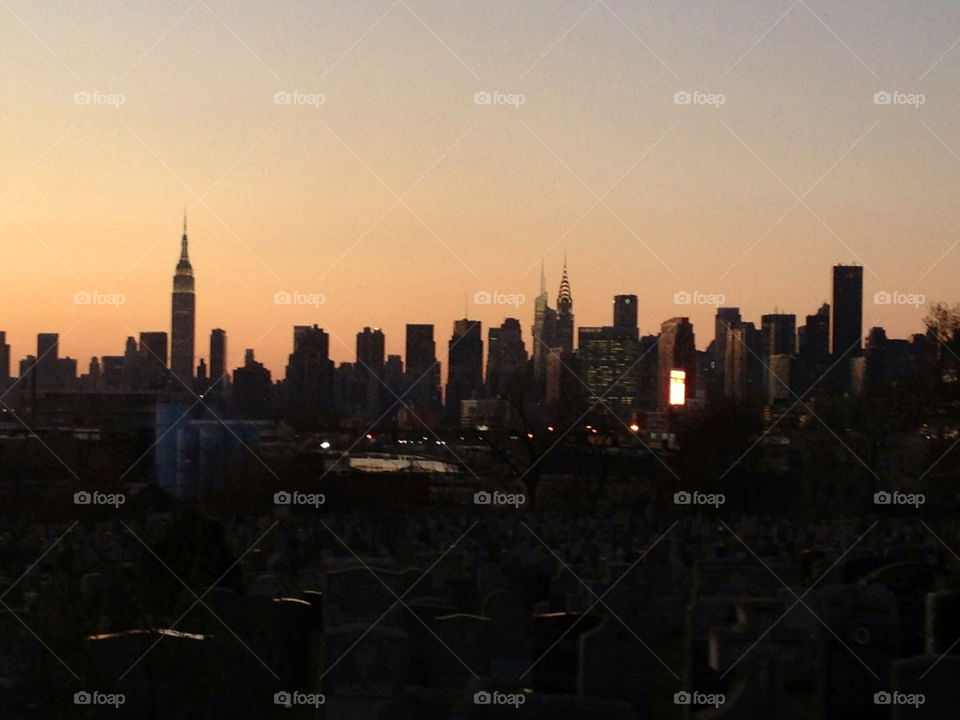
(625, 313)
(252, 389)
(183, 316)
(813, 349)
(218, 357)
(152, 365)
(725, 319)
(779, 334)
(544, 334)
(308, 385)
(423, 369)
(4, 361)
(369, 370)
(677, 351)
(847, 321)
(506, 359)
(608, 359)
(743, 366)
(564, 328)
(465, 358)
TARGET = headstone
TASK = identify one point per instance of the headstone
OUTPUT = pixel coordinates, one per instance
(614, 665)
(460, 650)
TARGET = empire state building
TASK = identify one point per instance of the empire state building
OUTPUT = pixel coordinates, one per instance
(184, 310)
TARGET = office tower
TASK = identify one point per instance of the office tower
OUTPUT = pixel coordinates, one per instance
(677, 352)
(743, 367)
(153, 361)
(625, 313)
(45, 369)
(423, 369)
(564, 324)
(608, 362)
(506, 359)
(847, 320)
(218, 358)
(813, 353)
(566, 397)
(393, 378)
(112, 367)
(4, 361)
(647, 373)
(369, 370)
(779, 334)
(91, 382)
(252, 389)
(726, 318)
(183, 312)
(309, 376)
(544, 333)
(465, 358)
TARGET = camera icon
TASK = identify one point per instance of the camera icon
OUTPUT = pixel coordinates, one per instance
(682, 298)
(282, 297)
(482, 498)
(881, 297)
(682, 698)
(82, 98)
(282, 98)
(882, 498)
(82, 698)
(81, 297)
(682, 498)
(882, 698)
(282, 698)
(282, 498)
(481, 98)
(481, 298)
(82, 498)
(882, 97)
(682, 98)
(482, 698)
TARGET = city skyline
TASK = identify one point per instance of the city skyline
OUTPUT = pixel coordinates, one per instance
(480, 304)
(799, 168)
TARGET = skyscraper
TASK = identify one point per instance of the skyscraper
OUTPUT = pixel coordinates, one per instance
(813, 354)
(423, 370)
(607, 359)
(779, 334)
(506, 359)
(370, 345)
(564, 327)
(625, 313)
(309, 379)
(183, 315)
(725, 319)
(544, 333)
(218, 357)
(678, 351)
(465, 355)
(847, 320)
(4, 360)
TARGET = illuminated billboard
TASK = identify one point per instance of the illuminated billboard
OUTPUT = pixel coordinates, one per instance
(678, 387)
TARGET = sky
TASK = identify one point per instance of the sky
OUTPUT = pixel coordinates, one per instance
(387, 188)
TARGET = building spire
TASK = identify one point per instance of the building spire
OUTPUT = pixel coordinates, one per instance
(183, 242)
(564, 297)
(543, 279)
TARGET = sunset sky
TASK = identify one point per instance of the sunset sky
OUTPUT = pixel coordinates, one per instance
(399, 197)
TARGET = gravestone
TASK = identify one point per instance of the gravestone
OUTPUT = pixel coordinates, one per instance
(365, 670)
(511, 636)
(614, 665)
(460, 650)
(942, 622)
